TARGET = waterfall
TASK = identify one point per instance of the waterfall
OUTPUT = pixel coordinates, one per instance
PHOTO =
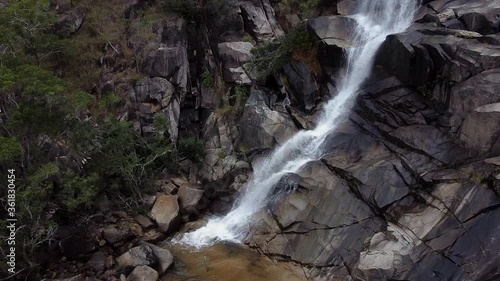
(376, 19)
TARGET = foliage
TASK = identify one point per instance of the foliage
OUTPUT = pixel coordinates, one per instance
(207, 80)
(62, 161)
(10, 150)
(301, 7)
(271, 56)
(25, 32)
(78, 191)
(248, 38)
(186, 8)
(192, 148)
(101, 32)
(109, 101)
(160, 123)
(235, 103)
(308, 5)
(81, 100)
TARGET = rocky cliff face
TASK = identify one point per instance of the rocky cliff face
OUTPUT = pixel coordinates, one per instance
(409, 189)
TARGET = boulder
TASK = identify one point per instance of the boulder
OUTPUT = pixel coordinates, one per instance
(165, 212)
(260, 20)
(234, 55)
(302, 84)
(416, 56)
(137, 256)
(165, 258)
(112, 235)
(347, 7)
(98, 261)
(487, 118)
(189, 196)
(169, 59)
(143, 273)
(144, 221)
(335, 33)
(324, 214)
(221, 135)
(260, 126)
(225, 23)
(478, 15)
(157, 90)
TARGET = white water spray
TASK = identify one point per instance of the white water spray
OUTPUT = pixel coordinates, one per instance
(376, 19)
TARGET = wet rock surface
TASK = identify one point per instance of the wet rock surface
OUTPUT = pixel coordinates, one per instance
(404, 192)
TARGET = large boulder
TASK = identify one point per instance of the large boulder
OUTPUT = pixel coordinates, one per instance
(335, 33)
(262, 127)
(189, 196)
(165, 212)
(323, 214)
(302, 84)
(156, 89)
(137, 256)
(476, 15)
(112, 235)
(417, 56)
(260, 20)
(152, 96)
(165, 258)
(221, 134)
(224, 22)
(347, 7)
(234, 55)
(143, 273)
(169, 58)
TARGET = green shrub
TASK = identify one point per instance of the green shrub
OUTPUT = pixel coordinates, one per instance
(160, 123)
(10, 150)
(271, 56)
(81, 100)
(78, 191)
(207, 80)
(301, 7)
(192, 148)
(307, 6)
(109, 101)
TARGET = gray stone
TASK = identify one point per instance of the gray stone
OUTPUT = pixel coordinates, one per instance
(143, 273)
(302, 84)
(234, 55)
(112, 235)
(98, 261)
(165, 258)
(144, 221)
(165, 212)
(259, 18)
(189, 196)
(335, 33)
(260, 126)
(155, 89)
(137, 256)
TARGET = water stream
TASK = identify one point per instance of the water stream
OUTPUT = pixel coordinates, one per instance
(376, 19)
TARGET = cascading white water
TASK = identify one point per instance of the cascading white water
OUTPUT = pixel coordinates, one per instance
(376, 19)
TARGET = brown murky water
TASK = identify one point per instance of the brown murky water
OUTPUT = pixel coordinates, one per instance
(227, 262)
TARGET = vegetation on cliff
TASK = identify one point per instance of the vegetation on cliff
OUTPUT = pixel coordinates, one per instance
(61, 138)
